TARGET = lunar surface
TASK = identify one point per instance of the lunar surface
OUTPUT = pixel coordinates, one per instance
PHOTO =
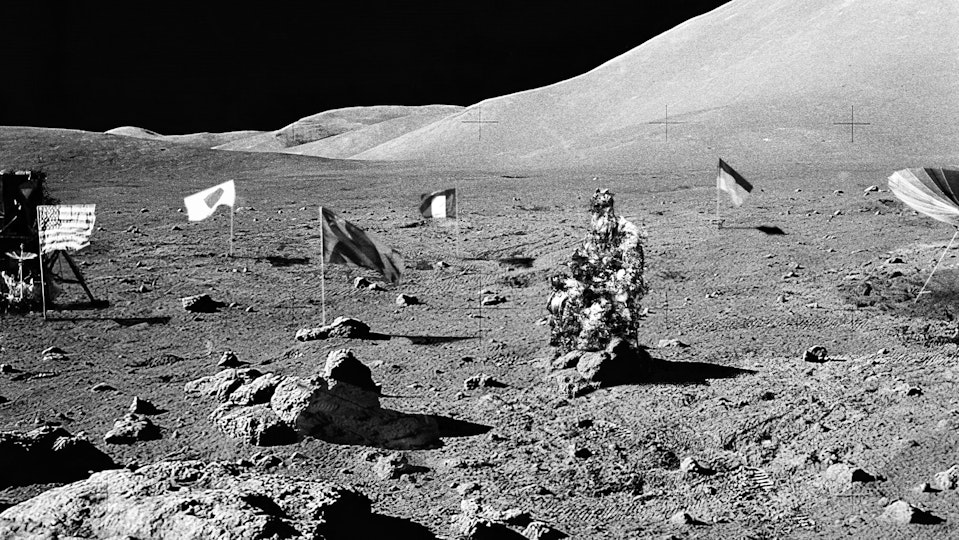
(733, 432)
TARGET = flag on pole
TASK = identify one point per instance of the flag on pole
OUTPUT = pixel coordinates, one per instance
(200, 206)
(733, 183)
(344, 243)
(65, 226)
(439, 204)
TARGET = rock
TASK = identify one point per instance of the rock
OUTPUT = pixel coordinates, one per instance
(537, 530)
(200, 303)
(925, 487)
(407, 300)
(568, 360)
(871, 189)
(254, 424)
(510, 516)
(363, 283)
(903, 513)
(346, 414)
(191, 500)
(947, 479)
(53, 354)
(132, 428)
(481, 381)
(894, 260)
(675, 343)
(620, 363)
(579, 452)
(7, 368)
(689, 465)
(683, 518)
(914, 391)
(815, 354)
(140, 406)
(102, 387)
(342, 327)
(221, 385)
(475, 528)
(46, 455)
(393, 466)
(466, 488)
(257, 391)
(229, 360)
(843, 475)
(342, 365)
(492, 300)
(440, 265)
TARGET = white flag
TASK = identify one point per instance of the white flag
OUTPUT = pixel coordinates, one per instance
(200, 206)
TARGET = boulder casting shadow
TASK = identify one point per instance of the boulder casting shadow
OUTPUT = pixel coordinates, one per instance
(47, 455)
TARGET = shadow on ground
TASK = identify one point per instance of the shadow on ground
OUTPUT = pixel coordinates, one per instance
(675, 372)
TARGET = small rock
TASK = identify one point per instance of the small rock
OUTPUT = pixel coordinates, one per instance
(140, 406)
(393, 466)
(690, 466)
(914, 391)
(102, 387)
(537, 530)
(664, 343)
(925, 487)
(229, 360)
(439, 265)
(201, 303)
(948, 479)
(53, 354)
(7, 368)
(683, 518)
(481, 381)
(130, 429)
(175, 228)
(568, 360)
(815, 354)
(342, 327)
(342, 365)
(894, 260)
(903, 513)
(492, 300)
(407, 300)
(467, 487)
(871, 189)
(579, 452)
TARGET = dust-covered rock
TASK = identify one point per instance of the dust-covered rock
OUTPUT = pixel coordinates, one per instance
(407, 300)
(342, 365)
(393, 466)
(200, 303)
(255, 424)
(229, 359)
(902, 513)
(132, 428)
(947, 479)
(48, 454)
(481, 381)
(221, 385)
(815, 354)
(341, 327)
(189, 500)
(142, 406)
(538, 530)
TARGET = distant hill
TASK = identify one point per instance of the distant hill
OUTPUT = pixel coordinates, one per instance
(754, 79)
(350, 143)
(336, 122)
(196, 140)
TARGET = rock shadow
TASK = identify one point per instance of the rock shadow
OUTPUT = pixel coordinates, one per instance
(771, 230)
(382, 526)
(677, 372)
(424, 340)
(279, 261)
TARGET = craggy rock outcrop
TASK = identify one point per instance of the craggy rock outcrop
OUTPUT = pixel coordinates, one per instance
(48, 454)
(600, 298)
(343, 407)
(189, 500)
(131, 429)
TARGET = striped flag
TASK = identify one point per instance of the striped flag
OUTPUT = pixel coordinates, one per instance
(344, 243)
(439, 204)
(200, 206)
(65, 226)
(733, 183)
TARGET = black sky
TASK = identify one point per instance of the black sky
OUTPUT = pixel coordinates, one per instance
(213, 66)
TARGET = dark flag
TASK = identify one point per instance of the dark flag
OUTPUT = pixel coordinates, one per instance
(439, 204)
(733, 183)
(344, 243)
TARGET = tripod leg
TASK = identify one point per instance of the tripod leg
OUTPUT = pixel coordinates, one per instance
(76, 272)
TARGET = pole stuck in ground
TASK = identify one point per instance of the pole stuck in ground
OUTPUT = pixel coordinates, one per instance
(232, 211)
(43, 289)
(934, 268)
(322, 267)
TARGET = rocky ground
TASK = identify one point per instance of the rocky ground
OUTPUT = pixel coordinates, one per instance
(735, 433)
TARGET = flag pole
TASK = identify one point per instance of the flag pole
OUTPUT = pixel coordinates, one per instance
(231, 230)
(934, 268)
(322, 267)
(43, 282)
(456, 210)
(719, 224)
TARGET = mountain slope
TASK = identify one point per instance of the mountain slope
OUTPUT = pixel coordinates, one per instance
(748, 71)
